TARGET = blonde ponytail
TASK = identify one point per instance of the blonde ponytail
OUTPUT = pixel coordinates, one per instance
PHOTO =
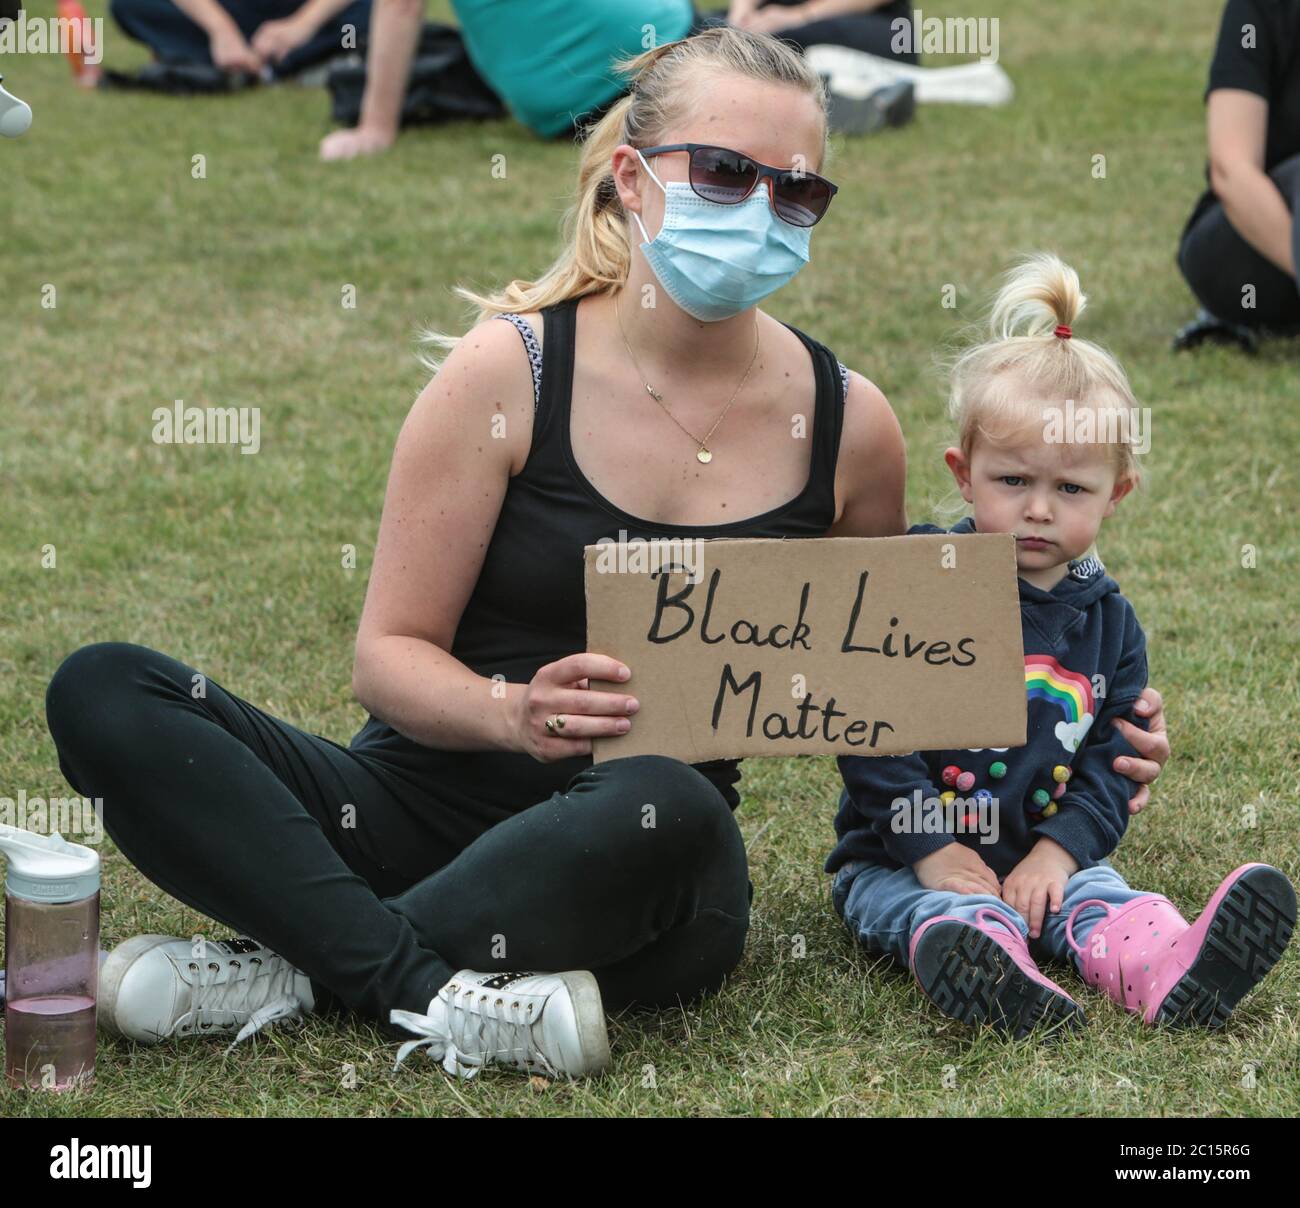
(1041, 293)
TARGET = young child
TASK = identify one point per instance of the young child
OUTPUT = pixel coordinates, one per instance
(957, 906)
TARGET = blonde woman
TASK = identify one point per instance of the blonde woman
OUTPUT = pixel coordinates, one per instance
(464, 836)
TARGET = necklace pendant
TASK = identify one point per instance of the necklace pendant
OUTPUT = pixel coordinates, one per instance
(654, 394)
(703, 455)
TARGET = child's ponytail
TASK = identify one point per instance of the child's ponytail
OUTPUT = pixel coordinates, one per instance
(1041, 294)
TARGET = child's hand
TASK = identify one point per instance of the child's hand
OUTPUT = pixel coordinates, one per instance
(956, 869)
(1038, 881)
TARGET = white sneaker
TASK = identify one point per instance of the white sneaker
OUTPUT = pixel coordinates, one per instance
(542, 1023)
(154, 987)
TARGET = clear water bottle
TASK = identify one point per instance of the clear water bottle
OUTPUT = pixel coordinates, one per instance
(51, 960)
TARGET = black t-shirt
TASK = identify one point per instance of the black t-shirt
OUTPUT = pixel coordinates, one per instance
(1259, 51)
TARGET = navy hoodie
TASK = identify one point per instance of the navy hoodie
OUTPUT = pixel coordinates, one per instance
(1085, 664)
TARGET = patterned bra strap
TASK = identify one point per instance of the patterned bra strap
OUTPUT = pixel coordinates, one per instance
(534, 351)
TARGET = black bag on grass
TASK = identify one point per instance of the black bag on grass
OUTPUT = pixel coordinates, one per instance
(444, 84)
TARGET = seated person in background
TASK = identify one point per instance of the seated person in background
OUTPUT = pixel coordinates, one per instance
(866, 25)
(549, 60)
(1238, 250)
(283, 36)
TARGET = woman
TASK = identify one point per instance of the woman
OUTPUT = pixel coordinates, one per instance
(1239, 248)
(464, 835)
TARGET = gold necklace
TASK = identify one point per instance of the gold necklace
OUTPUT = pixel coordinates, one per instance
(702, 453)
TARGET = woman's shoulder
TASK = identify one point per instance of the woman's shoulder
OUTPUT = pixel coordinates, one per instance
(526, 322)
(486, 372)
(869, 420)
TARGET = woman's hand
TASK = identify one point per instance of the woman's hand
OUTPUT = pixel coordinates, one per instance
(561, 689)
(1152, 744)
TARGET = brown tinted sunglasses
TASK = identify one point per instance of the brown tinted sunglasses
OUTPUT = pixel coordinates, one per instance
(728, 177)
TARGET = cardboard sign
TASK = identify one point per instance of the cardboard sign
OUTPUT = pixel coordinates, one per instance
(825, 646)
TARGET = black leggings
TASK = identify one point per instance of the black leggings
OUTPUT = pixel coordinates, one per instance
(637, 871)
(1217, 263)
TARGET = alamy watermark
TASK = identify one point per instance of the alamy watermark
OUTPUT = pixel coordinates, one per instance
(945, 36)
(53, 36)
(79, 816)
(921, 815)
(182, 425)
(653, 555)
(1069, 425)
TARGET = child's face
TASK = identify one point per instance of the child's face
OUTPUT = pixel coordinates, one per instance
(1053, 497)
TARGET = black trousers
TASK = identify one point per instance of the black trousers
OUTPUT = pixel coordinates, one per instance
(637, 871)
(175, 38)
(1218, 263)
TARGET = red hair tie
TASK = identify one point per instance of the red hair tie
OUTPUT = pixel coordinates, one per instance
(1062, 332)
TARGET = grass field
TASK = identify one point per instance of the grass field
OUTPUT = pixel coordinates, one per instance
(226, 292)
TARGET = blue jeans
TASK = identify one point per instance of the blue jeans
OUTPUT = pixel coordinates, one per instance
(885, 906)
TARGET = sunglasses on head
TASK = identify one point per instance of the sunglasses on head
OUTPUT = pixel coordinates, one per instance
(727, 177)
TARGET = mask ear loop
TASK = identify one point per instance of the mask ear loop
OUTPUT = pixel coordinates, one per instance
(645, 235)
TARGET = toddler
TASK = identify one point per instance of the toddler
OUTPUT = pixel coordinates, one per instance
(1045, 451)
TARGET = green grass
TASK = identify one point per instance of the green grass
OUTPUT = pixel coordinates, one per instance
(226, 291)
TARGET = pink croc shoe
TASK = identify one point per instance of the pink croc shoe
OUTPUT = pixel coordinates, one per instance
(1151, 961)
(982, 972)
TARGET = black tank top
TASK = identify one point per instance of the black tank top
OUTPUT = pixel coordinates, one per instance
(528, 607)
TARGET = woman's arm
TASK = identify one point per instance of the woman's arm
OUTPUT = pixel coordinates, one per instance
(871, 471)
(1237, 131)
(448, 479)
(445, 488)
(394, 34)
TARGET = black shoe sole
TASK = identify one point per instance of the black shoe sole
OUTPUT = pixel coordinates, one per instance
(973, 979)
(1206, 329)
(892, 105)
(1250, 930)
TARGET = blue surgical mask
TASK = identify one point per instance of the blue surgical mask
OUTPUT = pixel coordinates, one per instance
(717, 260)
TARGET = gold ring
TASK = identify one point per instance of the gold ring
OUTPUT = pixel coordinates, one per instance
(555, 724)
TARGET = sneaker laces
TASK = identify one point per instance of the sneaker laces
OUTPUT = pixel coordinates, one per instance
(213, 1001)
(465, 1040)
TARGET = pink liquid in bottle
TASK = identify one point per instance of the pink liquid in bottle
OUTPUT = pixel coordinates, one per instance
(50, 1042)
(51, 961)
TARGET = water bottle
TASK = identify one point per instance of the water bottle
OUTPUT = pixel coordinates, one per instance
(51, 960)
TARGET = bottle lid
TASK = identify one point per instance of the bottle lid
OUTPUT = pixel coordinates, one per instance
(47, 868)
